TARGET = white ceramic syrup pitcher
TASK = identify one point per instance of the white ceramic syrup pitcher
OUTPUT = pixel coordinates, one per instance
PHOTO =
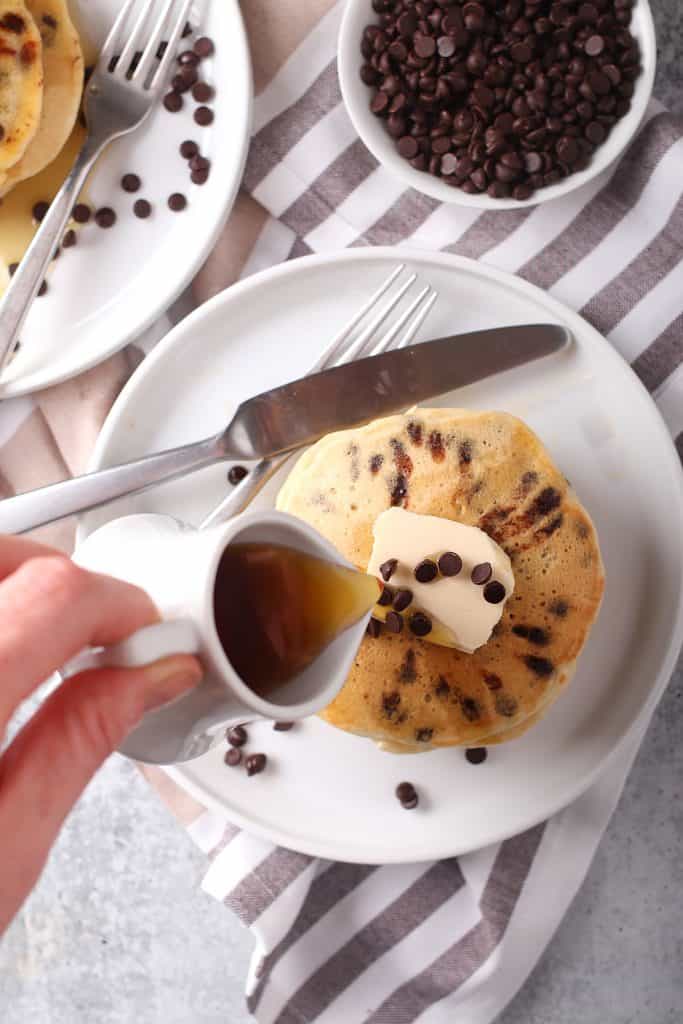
(176, 565)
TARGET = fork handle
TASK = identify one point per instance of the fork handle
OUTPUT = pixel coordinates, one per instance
(245, 492)
(31, 271)
(48, 504)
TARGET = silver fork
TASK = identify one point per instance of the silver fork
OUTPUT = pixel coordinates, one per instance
(119, 96)
(342, 349)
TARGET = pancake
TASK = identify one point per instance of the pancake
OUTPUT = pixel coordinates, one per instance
(486, 469)
(21, 81)
(63, 87)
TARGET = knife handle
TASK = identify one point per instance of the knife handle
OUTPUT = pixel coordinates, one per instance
(48, 504)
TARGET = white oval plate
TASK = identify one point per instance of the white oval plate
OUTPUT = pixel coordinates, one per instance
(113, 284)
(330, 794)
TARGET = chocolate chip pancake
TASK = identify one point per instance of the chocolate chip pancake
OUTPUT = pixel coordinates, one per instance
(63, 87)
(486, 469)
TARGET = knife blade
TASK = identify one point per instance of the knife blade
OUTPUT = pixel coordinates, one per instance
(300, 413)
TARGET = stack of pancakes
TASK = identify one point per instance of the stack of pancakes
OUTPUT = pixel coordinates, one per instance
(486, 469)
(41, 81)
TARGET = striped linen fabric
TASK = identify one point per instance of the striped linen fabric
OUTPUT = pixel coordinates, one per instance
(450, 940)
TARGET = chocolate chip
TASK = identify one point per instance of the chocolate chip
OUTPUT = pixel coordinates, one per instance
(200, 177)
(407, 795)
(594, 46)
(236, 473)
(283, 726)
(199, 163)
(130, 183)
(204, 47)
(173, 102)
(506, 705)
(386, 596)
(43, 289)
(39, 210)
(559, 608)
(539, 666)
(449, 563)
(407, 146)
(81, 213)
(426, 571)
(233, 757)
(13, 23)
(203, 116)
(420, 624)
(105, 217)
(481, 573)
(187, 57)
(388, 568)
(142, 208)
(69, 239)
(188, 149)
(180, 83)
(476, 755)
(177, 202)
(394, 622)
(494, 592)
(237, 736)
(373, 628)
(403, 598)
(423, 735)
(203, 92)
(255, 763)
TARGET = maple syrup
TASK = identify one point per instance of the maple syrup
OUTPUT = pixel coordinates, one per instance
(276, 609)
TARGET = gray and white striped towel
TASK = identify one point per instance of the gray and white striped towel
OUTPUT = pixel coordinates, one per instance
(451, 940)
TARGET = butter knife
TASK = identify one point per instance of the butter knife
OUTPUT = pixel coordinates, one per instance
(300, 413)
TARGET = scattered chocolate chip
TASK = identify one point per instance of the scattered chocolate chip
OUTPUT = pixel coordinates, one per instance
(142, 208)
(426, 571)
(449, 563)
(173, 102)
(187, 30)
(199, 163)
(481, 573)
(407, 795)
(105, 217)
(388, 568)
(130, 183)
(203, 116)
(81, 213)
(233, 757)
(494, 592)
(283, 726)
(39, 210)
(177, 202)
(69, 239)
(386, 596)
(255, 763)
(236, 474)
(200, 177)
(12, 269)
(403, 598)
(420, 624)
(394, 622)
(373, 628)
(188, 149)
(237, 736)
(202, 92)
(204, 47)
(43, 289)
(188, 57)
(180, 83)
(476, 755)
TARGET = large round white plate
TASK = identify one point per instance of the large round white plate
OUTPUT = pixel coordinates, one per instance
(331, 794)
(115, 283)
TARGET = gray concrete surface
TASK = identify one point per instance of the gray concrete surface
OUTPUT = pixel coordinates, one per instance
(117, 931)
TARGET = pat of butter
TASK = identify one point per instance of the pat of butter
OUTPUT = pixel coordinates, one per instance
(461, 616)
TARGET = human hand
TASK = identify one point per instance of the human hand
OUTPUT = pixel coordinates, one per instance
(50, 610)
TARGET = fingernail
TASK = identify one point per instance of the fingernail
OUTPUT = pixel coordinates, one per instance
(169, 678)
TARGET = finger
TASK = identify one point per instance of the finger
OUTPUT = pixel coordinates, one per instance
(16, 550)
(50, 609)
(50, 762)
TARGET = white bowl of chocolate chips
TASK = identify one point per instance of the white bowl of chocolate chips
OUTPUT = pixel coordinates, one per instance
(496, 103)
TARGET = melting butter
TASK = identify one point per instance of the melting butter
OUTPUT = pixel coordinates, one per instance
(460, 614)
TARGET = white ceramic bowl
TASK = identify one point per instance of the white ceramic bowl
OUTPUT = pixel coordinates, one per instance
(372, 130)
